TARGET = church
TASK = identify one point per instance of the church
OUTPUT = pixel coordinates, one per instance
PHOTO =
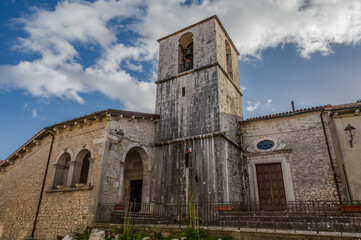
(195, 144)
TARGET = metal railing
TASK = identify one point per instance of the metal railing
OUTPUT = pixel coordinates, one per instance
(185, 66)
(310, 215)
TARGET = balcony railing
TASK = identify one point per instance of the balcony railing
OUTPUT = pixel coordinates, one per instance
(311, 215)
(185, 66)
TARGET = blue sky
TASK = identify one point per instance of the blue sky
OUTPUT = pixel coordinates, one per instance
(63, 59)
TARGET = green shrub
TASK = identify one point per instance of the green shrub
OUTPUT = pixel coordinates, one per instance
(212, 238)
(226, 237)
(118, 231)
(84, 235)
(157, 236)
(193, 234)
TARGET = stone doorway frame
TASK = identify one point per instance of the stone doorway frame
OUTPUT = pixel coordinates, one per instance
(147, 170)
(281, 156)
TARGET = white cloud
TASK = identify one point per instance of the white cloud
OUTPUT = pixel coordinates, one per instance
(34, 112)
(252, 106)
(254, 25)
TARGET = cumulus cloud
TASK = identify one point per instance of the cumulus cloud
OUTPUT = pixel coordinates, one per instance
(254, 25)
(252, 106)
(34, 112)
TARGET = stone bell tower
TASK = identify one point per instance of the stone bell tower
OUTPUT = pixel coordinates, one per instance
(199, 101)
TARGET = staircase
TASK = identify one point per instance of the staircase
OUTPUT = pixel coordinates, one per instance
(295, 221)
(120, 217)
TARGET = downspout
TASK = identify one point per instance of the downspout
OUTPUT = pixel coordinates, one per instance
(330, 156)
(43, 185)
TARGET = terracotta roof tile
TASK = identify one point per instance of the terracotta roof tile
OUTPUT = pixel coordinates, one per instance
(76, 119)
(311, 109)
(344, 106)
(43, 132)
(284, 114)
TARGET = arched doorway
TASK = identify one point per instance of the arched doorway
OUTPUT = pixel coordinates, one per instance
(136, 177)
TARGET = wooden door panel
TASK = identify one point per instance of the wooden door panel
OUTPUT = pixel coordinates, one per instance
(271, 187)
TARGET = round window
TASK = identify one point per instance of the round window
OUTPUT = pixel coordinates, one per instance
(265, 144)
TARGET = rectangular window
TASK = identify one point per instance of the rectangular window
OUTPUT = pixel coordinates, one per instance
(183, 92)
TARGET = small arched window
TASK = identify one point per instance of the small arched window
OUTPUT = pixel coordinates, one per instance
(62, 171)
(85, 169)
(81, 168)
(229, 59)
(185, 50)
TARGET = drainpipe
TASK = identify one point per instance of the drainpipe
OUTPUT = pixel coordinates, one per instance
(330, 156)
(43, 185)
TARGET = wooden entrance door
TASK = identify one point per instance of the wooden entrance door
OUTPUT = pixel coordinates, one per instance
(271, 186)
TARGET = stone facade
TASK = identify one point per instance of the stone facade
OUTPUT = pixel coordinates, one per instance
(300, 147)
(20, 186)
(348, 154)
(127, 135)
(197, 144)
(61, 210)
(108, 137)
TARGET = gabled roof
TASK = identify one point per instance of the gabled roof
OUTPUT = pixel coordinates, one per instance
(328, 107)
(93, 116)
(76, 119)
(285, 114)
(344, 106)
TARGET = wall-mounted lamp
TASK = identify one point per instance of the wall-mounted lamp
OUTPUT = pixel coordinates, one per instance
(350, 131)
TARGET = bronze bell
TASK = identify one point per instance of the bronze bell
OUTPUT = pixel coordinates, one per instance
(188, 54)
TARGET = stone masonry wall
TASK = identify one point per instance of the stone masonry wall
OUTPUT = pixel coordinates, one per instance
(64, 211)
(230, 107)
(195, 113)
(221, 54)
(212, 173)
(303, 136)
(20, 187)
(123, 135)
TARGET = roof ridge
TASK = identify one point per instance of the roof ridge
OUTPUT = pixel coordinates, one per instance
(288, 113)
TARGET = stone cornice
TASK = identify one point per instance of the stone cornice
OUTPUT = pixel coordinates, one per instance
(199, 69)
(200, 136)
(200, 22)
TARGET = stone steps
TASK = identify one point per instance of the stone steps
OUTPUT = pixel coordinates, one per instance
(272, 220)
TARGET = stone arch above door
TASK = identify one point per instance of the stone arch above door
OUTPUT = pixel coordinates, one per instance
(144, 153)
(136, 168)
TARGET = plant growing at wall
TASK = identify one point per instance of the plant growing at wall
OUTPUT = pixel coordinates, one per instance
(354, 206)
(193, 216)
(119, 206)
(84, 235)
(126, 222)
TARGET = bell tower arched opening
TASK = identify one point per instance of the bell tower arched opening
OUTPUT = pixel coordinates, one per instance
(185, 58)
(229, 59)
